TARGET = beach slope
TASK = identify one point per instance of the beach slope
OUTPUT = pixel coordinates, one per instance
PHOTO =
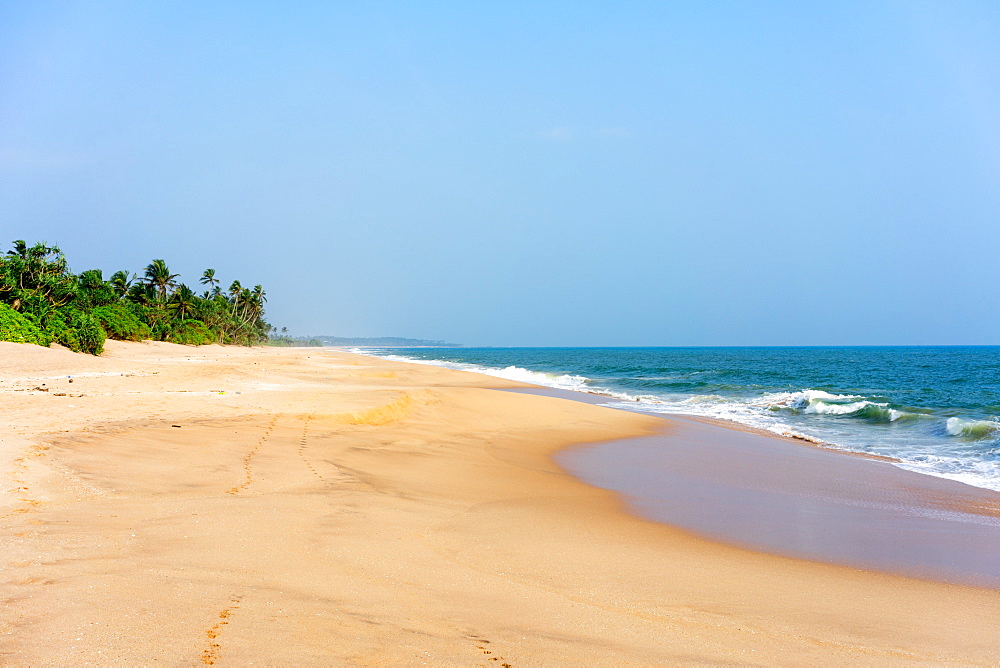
(300, 506)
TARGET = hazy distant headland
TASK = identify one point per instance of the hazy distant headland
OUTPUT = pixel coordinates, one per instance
(363, 342)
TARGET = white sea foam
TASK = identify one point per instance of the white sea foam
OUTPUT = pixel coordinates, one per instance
(807, 397)
(976, 473)
(732, 411)
(823, 408)
(704, 399)
(559, 381)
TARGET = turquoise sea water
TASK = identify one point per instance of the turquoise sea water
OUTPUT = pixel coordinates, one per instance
(934, 409)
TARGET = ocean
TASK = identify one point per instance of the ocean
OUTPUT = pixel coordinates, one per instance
(935, 410)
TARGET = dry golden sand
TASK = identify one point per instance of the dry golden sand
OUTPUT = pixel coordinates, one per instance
(316, 507)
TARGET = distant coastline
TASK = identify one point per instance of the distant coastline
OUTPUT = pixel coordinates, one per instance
(364, 342)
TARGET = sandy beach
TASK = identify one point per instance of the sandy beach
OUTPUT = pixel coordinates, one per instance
(172, 504)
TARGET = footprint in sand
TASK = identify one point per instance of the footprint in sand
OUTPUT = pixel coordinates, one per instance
(480, 642)
(211, 653)
(248, 459)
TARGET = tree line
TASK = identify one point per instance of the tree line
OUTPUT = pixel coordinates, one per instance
(42, 301)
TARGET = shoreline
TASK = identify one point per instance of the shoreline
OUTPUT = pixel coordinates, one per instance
(624, 400)
(318, 507)
(732, 425)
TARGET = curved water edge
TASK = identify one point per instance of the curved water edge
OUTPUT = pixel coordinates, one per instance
(777, 497)
(932, 410)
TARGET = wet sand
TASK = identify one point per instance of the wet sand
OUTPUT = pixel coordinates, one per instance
(765, 494)
(227, 506)
(784, 496)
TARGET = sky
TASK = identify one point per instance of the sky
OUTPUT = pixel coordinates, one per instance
(525, 173)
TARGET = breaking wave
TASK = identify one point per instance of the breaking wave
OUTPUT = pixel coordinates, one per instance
(975, 430)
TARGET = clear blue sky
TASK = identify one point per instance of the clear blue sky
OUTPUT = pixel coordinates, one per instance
(525, 173)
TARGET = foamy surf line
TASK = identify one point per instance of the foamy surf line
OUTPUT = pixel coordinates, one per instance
(762, 413)
(625, 400)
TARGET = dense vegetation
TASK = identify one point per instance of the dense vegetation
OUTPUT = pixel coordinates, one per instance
(42, 301)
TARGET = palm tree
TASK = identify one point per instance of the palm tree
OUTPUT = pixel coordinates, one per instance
(183, 301)
(20, 249)
(159, 276)
(120, 282)
(142, 293)
(93, 290)
(91, 278)
(248, 305)
(209, 279)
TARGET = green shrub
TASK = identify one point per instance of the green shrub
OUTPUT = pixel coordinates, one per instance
(89, 332)
(15, 328)
(60, 332)
(122, 323)
(191, 332)
(78, 331)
